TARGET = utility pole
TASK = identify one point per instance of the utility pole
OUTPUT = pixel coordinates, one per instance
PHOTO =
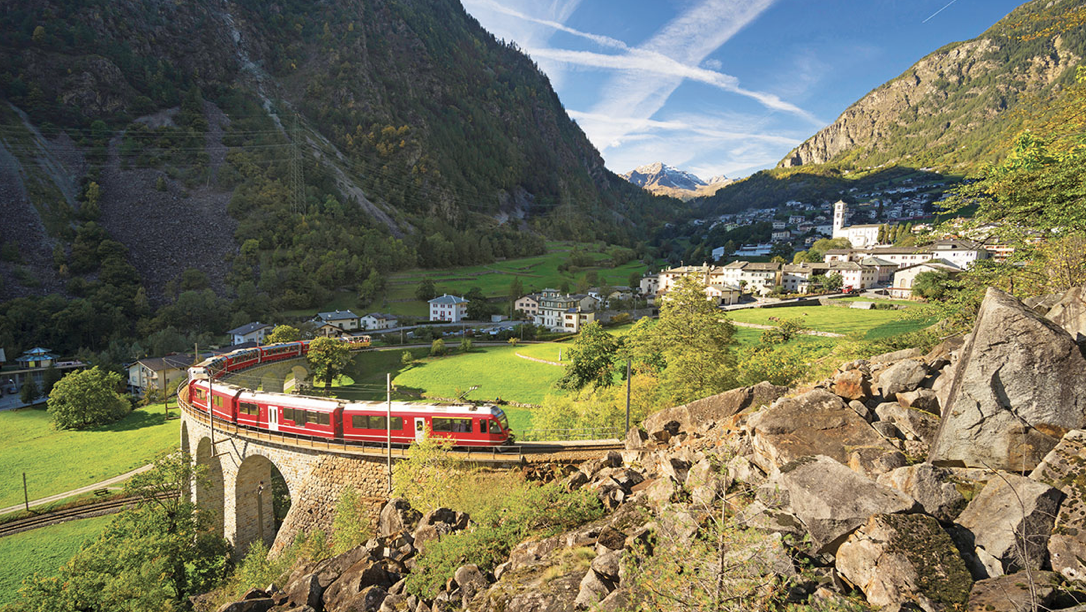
(165, 397)
(260, 510)
(388, 426)
(627, 396)
(26, 497)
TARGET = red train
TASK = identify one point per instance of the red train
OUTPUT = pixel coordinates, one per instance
(332, 419)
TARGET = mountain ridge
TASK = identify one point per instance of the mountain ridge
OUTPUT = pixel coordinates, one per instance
(662, 179)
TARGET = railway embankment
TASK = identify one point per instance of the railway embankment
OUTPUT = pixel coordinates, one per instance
(945, 480)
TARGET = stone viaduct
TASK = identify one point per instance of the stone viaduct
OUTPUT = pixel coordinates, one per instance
(237, 483)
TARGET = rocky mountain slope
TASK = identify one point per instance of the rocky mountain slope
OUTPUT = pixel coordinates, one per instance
(950, 107)
(661, 179)
(356, 121)
(951, 480)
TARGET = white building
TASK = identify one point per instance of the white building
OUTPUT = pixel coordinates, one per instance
(378, 321)
(905, 277)
(758, 278)
(345, 320)
(451, 308)
(252, 332)
(860, 236)
(565, 312)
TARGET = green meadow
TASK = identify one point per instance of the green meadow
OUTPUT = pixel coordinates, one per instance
(42, 551)
(58, 461)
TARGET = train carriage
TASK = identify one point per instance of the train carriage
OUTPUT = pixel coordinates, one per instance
(239, 360)
(223, 398)
(304, 416)
(277, 352)
(466, 424)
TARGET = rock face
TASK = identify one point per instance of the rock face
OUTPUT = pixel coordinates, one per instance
(896, 559)
(1063, 468)
(903, 376)
(1012, 593)
(815, 423)
(396, 516)
(1011, 520)
(1070, 313)
(1018, 387)
(703, 412)
(830, 499)
(929, 486)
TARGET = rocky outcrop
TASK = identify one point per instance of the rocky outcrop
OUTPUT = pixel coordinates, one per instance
(1070, 313)
(1011, 520)
(1065, 468)
(830, 499)
(895, 559)
(1018, 387)
(930, 487)
(814, 423)
(711, 410)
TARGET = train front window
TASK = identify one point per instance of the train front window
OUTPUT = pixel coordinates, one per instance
(495, 428)
(452, 425)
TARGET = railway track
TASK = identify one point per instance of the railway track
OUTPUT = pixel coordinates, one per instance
(102, 508)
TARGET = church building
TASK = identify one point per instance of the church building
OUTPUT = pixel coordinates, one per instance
(861, 236)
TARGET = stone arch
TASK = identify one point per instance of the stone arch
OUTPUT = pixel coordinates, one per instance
(185, 450)
(296, 377)
(254, 504)
(210, 486)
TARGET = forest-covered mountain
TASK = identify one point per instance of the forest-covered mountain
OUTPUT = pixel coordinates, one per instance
(955, 107)
(281, 148)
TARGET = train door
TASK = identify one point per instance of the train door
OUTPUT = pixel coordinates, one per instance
(420, 429)
(273, 418)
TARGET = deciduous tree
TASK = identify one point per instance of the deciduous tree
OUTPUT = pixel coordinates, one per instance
(592, 359)
(87, 398)
(283, 333)
(328, 357)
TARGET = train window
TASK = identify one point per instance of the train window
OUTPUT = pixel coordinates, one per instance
(360, 421)
(452, 425)
(250, 409)
(495, 427)
(324, 418)
(482, 426)
(397, 423)
(217, 400)
(288, 414)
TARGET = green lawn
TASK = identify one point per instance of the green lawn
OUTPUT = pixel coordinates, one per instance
(42, 551)
(549, 351)
(825, 318)
(58, 461)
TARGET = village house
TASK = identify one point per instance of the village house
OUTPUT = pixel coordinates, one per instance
(150, 372)
(378, 321)
(756, 277)
(450, 308)
(251, 332)
(345, 320)
(561, 312)
(905, 277)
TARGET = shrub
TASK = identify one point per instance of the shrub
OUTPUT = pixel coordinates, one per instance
(437, 348)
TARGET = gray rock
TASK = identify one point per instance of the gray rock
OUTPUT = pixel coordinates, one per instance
(710, 410)
(859, 408)
(575, 480)
(470, 580)
(1070, 313)
(873, 462)
(898, 558)
(742, 470)
(904, 375)
(921, 399)
(661, 491)
(1018, 387)
(887, 430)
(895, 356)
(1063, 468)
(344, 592)
(305, 591)
(1013, 592)
(249, 605)
(1011, 513)
(369, 599)
(915, 424)
(814, 423)
(930, 487)
(396, 516)
(636, 439)
(674, 468)
(607, 564)
(831, 500)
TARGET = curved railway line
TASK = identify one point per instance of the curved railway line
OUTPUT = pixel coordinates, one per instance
(54, 517)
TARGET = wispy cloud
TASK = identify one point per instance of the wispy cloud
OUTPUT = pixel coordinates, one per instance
(637, 125)
(604, 41)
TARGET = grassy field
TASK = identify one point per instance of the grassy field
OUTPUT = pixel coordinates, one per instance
(58, 461)
(873, 323)
(42, 551)
(494, 280)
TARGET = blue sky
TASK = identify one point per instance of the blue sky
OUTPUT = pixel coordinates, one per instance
(722, 86)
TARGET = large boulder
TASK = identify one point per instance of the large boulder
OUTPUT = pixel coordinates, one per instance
(710, 410)
(897, 558)
(852, 385)
(1070, 313)
(814, 423)
(1011, 519)
(1063, 468)
(1019, 385)
(905, 375)
(915, 424)
(367, 573)
(928, 485)
(1025, 590)
(396, 516)
(830, 500)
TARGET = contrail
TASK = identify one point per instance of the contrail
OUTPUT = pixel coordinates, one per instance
(940, 10)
